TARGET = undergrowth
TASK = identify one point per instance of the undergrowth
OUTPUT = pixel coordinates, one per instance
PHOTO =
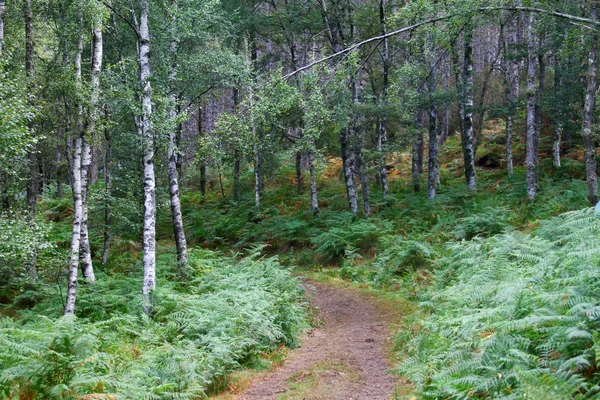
(511, 316)
(227, 314)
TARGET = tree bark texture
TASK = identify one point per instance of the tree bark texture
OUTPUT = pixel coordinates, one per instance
(314, 201)
(467, 125)
(2, 7)
(107, 193)
(381, 140)
(176, 216)
(531, 145)
(149, 229)
(76, 228)
(432, 166)
(588, 114)
(32, 179)
(558, 123)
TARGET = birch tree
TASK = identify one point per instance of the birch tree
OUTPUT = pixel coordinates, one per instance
(177, 219)
(147, 137)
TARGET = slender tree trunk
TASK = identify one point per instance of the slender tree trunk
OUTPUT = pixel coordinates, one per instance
(29, 48)
(347, 165)
(236, 153)
(588, 114)
(203, 178)
(510, 71)
(360, 165)
(4, 181)
(381, 140)
(107, 192)
(87, 151)
(76, 228)
(236, 175)
(85, 253)
(177, 219)
(433, 140)
(257, 174)
(538, 102)
(2, 5)
(313, 183)
(299, 172)
(59, 169)
(467, 125)
(558, 123)
(149, 231)
(531, 146)
(417, 141)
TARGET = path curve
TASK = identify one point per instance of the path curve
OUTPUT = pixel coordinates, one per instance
(342, 359)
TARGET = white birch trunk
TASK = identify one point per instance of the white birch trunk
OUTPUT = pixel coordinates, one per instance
(76, 229)
(85, 254)
(149, 229)
(467, 125)
(2, 5)
(178, 231)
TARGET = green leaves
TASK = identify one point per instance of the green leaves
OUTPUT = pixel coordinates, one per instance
(518, 311)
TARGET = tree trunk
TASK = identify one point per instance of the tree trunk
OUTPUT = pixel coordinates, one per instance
(203, 179)
(531, 146)
(299, 172)
(5, 186)
(510, 70)
(538, 102)
(588, 114)
(107, 192)
(86, 160)
(29, 48)
(360, 166)
(467, 125)
(558, 122)
(347, 165)
(433, 140)
(85, 253)
(2, 5)
(314, 201)
(257, 174)
(59, 169)
(236, 153)
(177, 219)
(76, 228)
(417, 143)
(381, 140)
(149, 230)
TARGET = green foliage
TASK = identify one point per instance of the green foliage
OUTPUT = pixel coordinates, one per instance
(228, 313)
(512, 316)
(401, 256)
(491, 222)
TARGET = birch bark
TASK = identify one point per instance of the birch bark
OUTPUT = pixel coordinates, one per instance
(149, 229)
(467, 125)
(177, 219)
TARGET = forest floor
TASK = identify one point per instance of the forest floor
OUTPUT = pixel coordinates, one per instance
(347, 356)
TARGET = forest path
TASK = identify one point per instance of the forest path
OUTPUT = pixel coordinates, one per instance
(344, 358)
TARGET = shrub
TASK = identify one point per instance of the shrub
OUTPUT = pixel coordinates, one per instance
(513, 316)
(229, 313)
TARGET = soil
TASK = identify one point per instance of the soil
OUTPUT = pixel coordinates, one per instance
(343, 358)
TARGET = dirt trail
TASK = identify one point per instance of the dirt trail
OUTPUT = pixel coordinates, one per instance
(343, 359)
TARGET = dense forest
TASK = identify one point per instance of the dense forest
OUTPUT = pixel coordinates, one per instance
(175, 173)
